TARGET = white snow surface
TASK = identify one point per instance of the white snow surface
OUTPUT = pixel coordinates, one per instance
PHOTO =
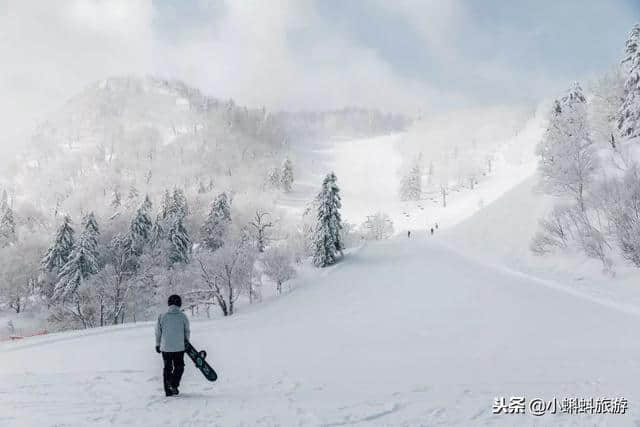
(403, 332)
(367, 171)
(407, 332)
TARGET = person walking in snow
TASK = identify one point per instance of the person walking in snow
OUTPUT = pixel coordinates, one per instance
(172, 330)
(409, 233)
(432, 231)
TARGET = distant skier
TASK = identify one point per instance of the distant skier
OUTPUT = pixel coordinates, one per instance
(436, 225)
(409, 233)
(172, 330)
(432, 231)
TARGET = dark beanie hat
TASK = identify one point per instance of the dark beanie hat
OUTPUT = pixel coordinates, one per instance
(175, 300)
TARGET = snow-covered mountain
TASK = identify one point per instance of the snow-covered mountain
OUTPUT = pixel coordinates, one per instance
(146, 133)
(154, 134)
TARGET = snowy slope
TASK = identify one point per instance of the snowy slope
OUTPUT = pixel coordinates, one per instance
(404, 332)
(369, 170)
(500, 235)
(504, 228)
(369, 182)
(368, 175)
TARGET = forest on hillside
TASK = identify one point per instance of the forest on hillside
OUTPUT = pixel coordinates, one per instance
(140, 186)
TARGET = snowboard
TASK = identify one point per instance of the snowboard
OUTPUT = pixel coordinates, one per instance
(198, 358)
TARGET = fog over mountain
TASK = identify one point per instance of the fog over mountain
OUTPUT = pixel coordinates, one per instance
(406, 57)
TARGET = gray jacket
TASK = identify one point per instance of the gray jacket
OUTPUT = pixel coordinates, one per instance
(172, 330)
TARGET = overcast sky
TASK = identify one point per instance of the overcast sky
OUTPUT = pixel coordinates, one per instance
(399, 55)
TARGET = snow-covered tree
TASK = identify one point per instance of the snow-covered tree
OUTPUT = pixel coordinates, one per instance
(286, 175)
(273, 178)
(18, 276)
(82, 263)
(326, 237)
(260, 224)
(133, 193)
(90, 224)
(4, 201)
(179, 206)
(165, 204)
(556, 231)
(226, 273)
(217, 223)
(567, 160)
(278, 266)
(122, 280)
(411, 184)
(146, 204)
(157, 232)
(179, 250)
(140, 229)
(628, 119)
(605, 102)
(58, 254)
(116, 198)
(378, 226)
(622, 204)
(7, 228)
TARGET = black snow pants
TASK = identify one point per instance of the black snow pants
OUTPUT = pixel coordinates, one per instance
(173, 369)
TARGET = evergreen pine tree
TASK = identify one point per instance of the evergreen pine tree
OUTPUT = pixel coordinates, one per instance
(286, 175)
(7, 227)
(273, 178)
(411, 184)
(179, 242)
(91, 225)
(217, 222)
(628, 119)
(140, 230)
(174, 204)
(58, 254)
(165, 205)
(326, 237)
(82, 262)
(127, 252)
(179, 205)
(157, 232)
(147, 205)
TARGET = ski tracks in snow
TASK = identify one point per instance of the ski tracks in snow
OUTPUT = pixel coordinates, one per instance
(135, 398)
(434, 355)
